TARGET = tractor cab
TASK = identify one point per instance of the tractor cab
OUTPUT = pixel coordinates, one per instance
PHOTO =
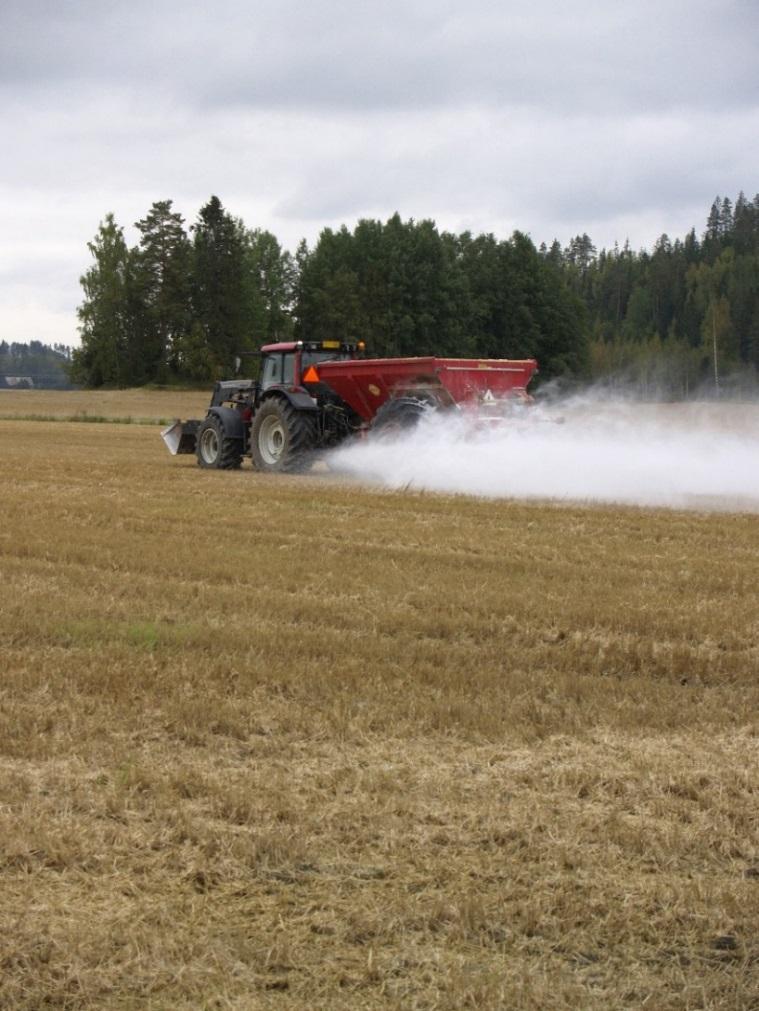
(288, 363)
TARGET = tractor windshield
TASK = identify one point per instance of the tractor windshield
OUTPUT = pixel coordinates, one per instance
(315, 357)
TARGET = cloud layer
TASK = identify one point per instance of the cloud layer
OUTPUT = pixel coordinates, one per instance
(621, 119)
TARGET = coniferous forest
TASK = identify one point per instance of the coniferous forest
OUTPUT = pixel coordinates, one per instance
(35, 364)
(679, 320)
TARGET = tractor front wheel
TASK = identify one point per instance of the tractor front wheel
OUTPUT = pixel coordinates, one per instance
(215, 450)
(281, 438)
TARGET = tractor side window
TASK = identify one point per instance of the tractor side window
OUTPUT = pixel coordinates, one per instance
(278, 369)
(272, 371)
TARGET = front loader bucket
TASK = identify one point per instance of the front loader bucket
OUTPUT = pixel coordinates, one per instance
(181, 437)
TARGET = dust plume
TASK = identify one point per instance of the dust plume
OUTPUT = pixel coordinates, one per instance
(703, 456)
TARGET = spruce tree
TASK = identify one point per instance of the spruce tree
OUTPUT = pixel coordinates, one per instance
(162, 292)
(220, 295)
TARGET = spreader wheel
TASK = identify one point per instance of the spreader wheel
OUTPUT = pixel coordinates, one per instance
(400, 414)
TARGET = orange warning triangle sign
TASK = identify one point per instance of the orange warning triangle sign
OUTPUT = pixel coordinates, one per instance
(311, 375)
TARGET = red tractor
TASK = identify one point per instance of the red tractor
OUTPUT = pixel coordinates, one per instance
(312, 395)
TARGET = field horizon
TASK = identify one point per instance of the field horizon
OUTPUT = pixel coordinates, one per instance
(279, 742)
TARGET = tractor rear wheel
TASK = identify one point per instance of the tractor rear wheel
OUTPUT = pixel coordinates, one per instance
(215, 450)
(281, 438)
(398, 415)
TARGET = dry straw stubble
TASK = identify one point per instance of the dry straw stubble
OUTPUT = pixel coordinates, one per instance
(292, 743)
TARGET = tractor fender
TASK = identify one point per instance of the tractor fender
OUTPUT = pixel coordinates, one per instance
(231, 421)
(300, 400)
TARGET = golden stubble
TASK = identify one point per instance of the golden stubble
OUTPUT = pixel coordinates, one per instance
(292, 743)
(137, 406)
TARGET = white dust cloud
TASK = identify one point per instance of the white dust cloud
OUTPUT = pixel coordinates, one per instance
(673, 455)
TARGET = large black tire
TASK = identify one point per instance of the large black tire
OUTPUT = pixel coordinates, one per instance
(398, 415)
(214, 449)
(281, 438)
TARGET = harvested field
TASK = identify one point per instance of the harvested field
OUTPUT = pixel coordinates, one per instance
(292, 743)
(96, 405)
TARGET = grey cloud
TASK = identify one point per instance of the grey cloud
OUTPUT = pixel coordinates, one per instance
(331, 54)
(573, 174)
(616, 118)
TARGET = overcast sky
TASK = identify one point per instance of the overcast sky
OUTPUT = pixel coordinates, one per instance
(622, 118)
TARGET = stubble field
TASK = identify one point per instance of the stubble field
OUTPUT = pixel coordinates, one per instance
(293, 743)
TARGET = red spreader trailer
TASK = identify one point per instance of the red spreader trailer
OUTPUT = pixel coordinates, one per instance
(312, 395)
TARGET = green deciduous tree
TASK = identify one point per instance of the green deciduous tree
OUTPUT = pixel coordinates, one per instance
(408, 289)
(270, 280)
(106, 324)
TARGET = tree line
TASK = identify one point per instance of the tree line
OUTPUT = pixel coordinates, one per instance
(184, 303)
(179, 305)
(34, 364)
(681, 318)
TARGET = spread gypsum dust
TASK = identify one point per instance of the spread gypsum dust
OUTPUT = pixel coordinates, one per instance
(702, 456)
